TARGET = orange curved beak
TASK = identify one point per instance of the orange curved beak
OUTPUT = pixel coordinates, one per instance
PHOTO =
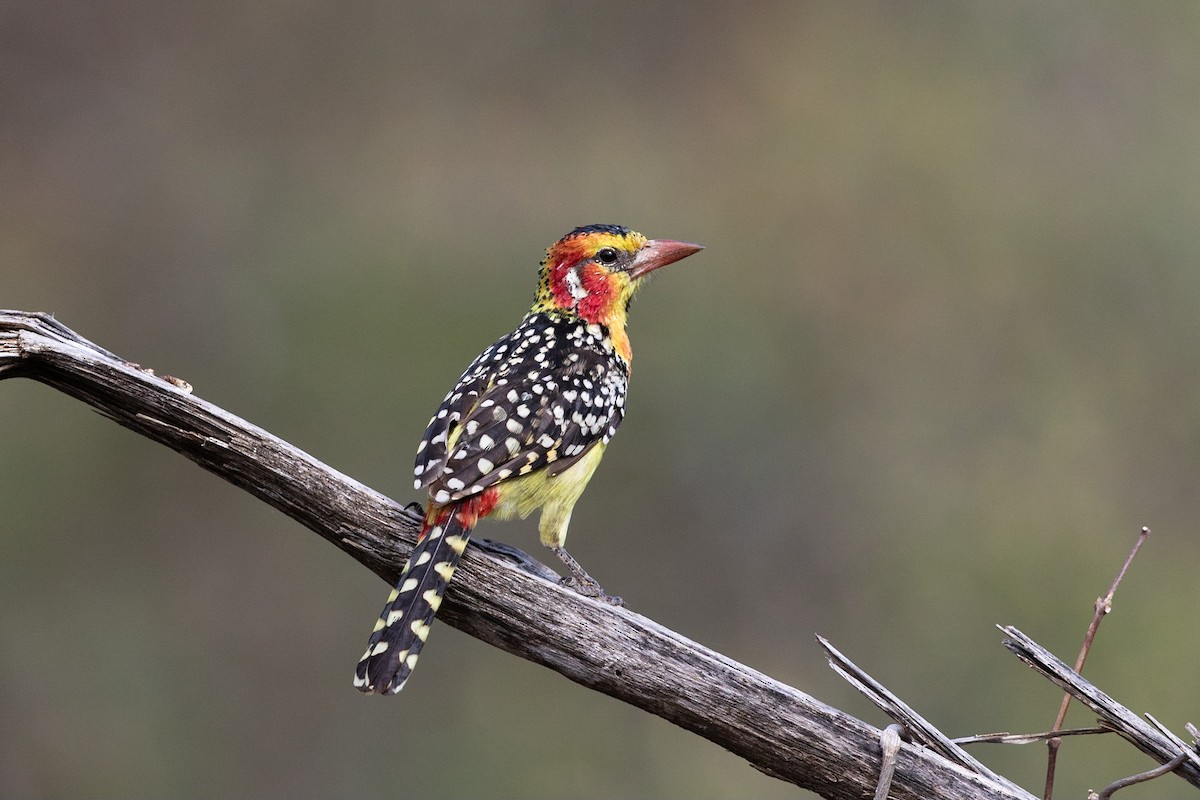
(658, 253)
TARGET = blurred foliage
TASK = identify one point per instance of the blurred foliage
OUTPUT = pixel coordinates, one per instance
(936, 367)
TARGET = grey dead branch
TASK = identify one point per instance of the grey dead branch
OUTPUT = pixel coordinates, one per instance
(502, 597)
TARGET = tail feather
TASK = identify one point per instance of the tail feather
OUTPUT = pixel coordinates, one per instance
(404, 624)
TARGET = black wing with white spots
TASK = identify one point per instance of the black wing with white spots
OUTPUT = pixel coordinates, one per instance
(542, 396)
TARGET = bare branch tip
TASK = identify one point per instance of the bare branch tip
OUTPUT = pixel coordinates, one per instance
(1141, 777)
(889, 743)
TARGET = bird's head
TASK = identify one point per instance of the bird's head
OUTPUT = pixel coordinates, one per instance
(593, 271)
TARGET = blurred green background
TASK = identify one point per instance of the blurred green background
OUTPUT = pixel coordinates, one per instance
(934, 370)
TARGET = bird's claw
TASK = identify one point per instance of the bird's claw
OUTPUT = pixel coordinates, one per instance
(589, 588)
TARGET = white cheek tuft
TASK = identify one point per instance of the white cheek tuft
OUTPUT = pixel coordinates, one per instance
(575, 286)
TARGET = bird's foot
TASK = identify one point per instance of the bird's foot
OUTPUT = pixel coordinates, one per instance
(589, 588)
(582, 583)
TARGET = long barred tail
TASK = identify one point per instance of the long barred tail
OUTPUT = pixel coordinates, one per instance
(404, 624)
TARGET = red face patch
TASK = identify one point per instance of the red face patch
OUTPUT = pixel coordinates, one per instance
(596, 306)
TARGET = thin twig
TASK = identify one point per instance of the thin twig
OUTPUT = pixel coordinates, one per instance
(1029, 738)
(1102, 607)
(1141, 777)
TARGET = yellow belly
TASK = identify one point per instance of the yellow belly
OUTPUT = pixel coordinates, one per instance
(556, 496)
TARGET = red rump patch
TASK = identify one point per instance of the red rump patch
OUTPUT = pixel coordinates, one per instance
(469, 511)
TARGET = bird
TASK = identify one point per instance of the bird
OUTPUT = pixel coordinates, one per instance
(523, 429)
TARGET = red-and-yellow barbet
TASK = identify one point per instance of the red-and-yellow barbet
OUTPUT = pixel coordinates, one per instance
(524, 428)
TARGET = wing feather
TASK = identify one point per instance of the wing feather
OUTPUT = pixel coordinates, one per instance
(540, 398)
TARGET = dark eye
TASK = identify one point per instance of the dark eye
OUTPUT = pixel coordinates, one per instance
(606, 256)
